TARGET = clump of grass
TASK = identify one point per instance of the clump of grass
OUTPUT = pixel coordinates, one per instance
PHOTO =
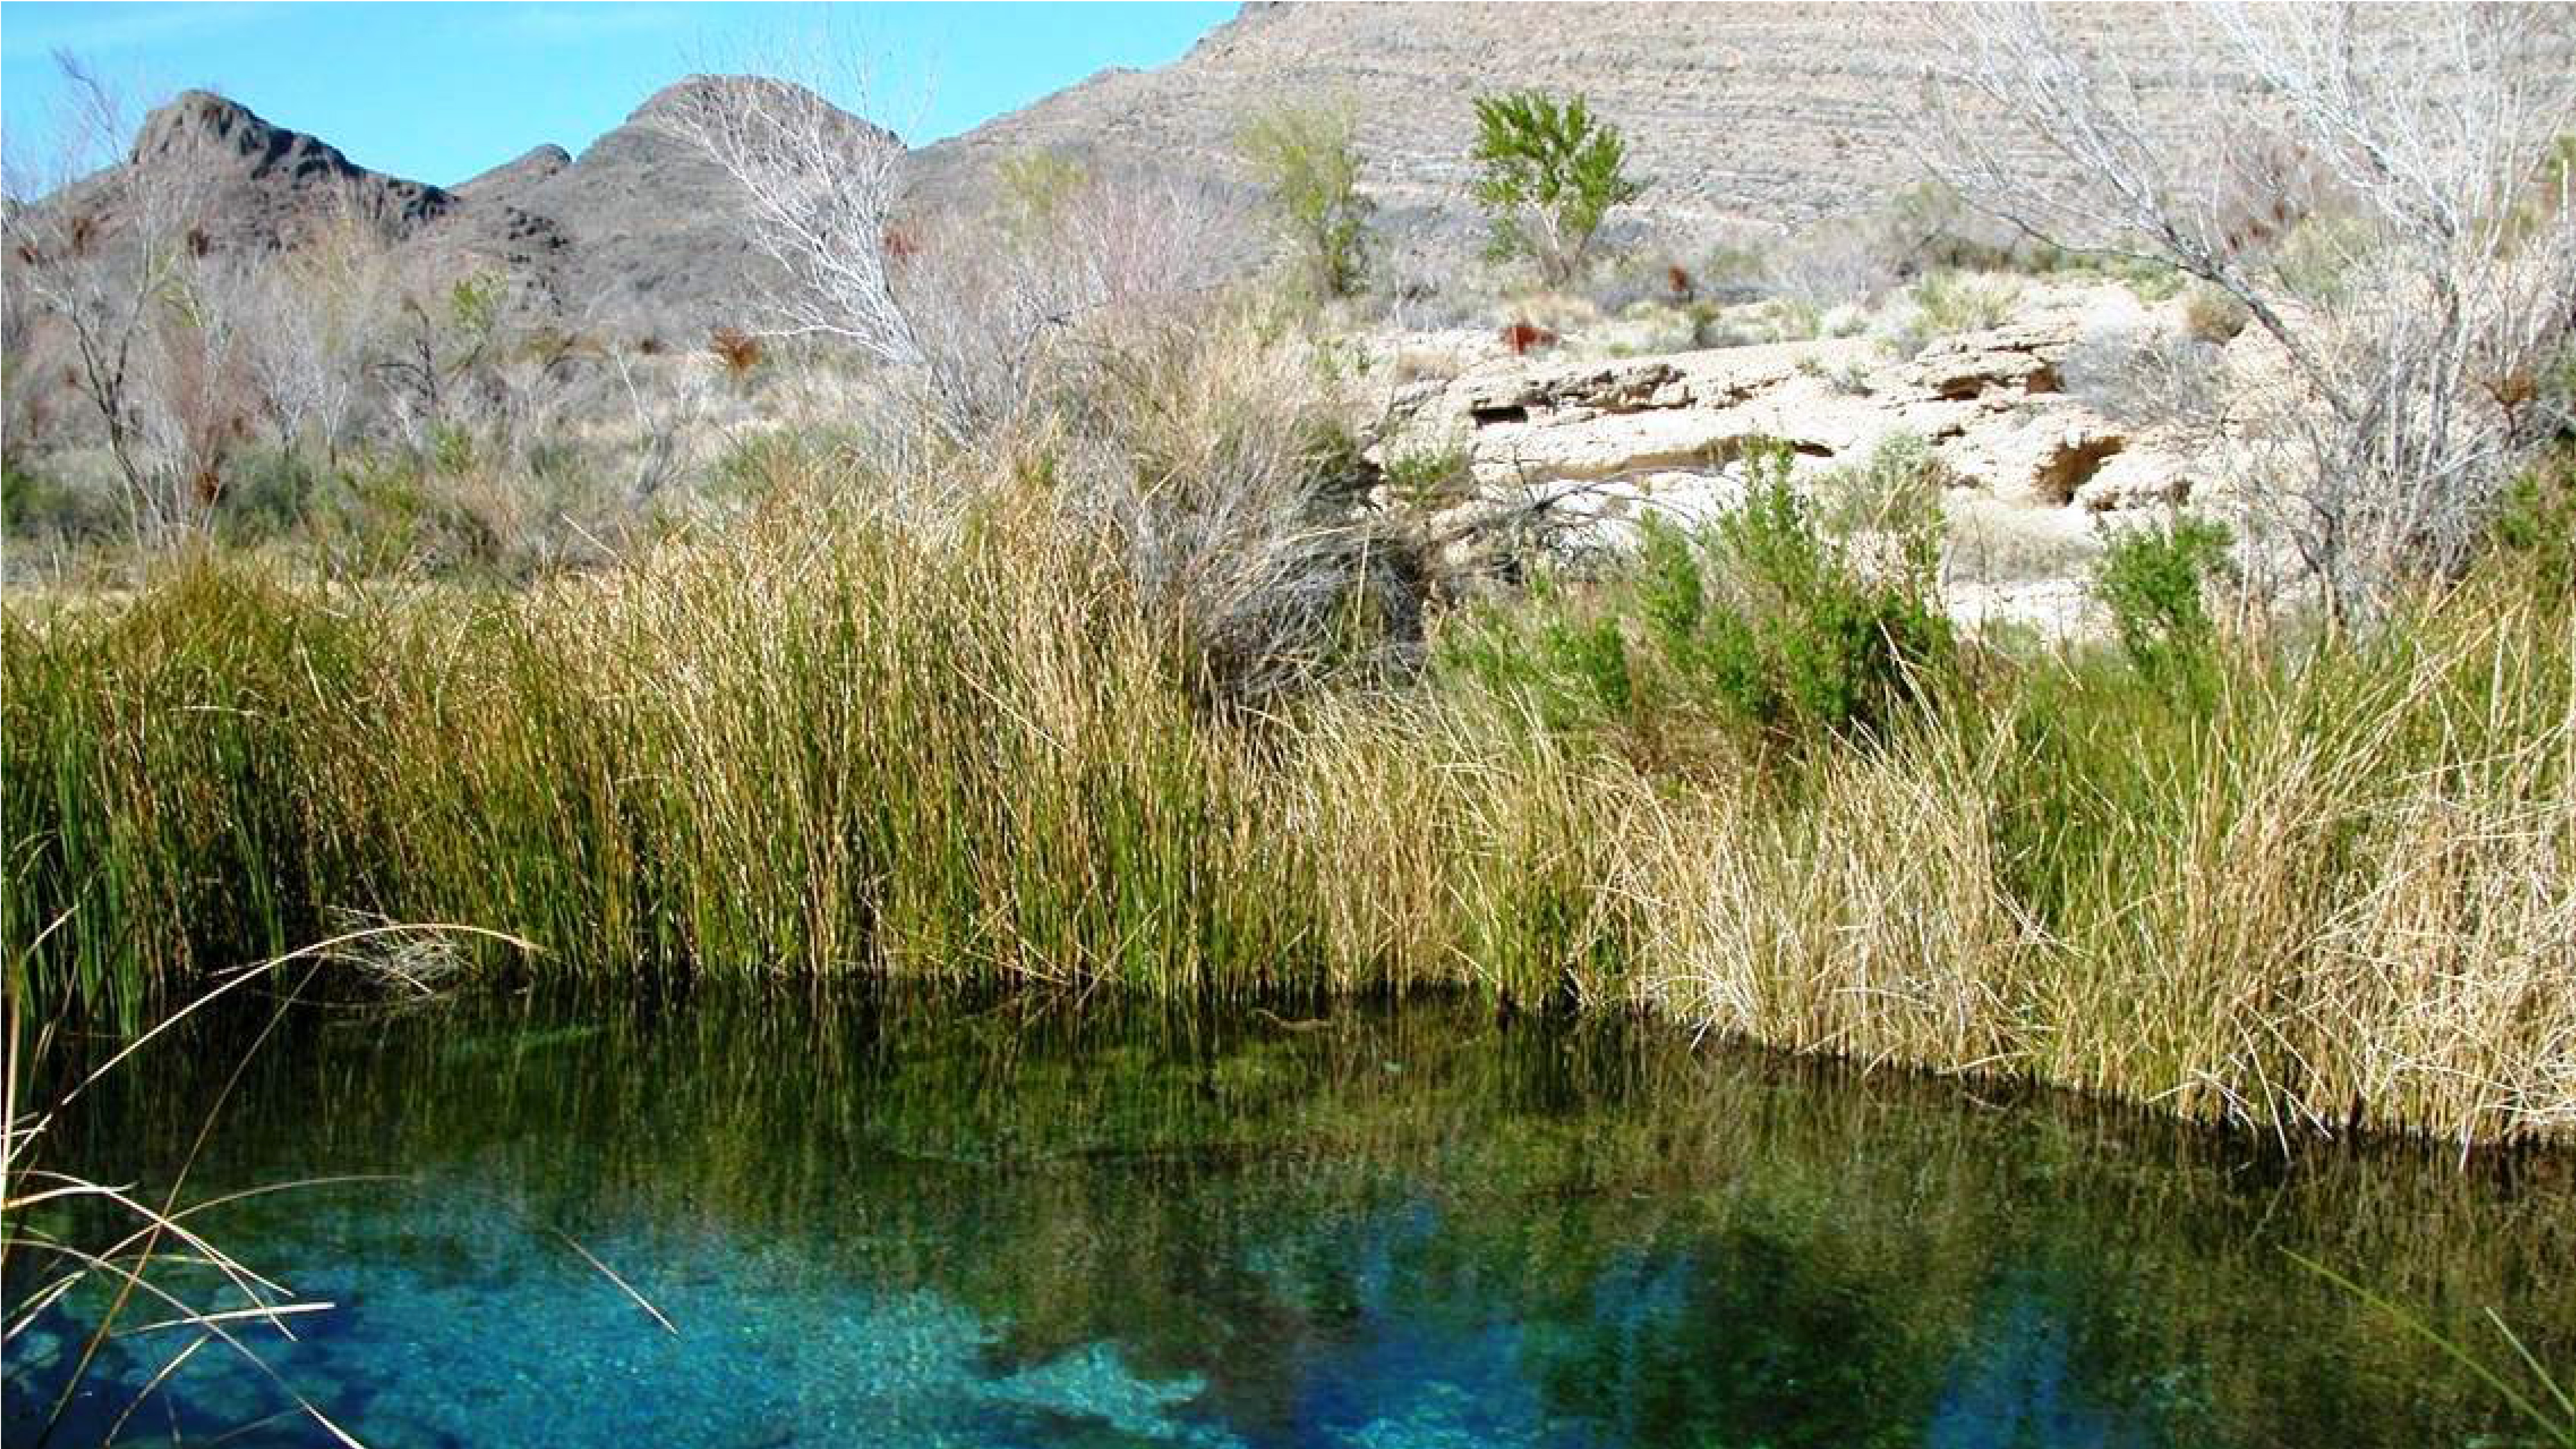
(1949, 302)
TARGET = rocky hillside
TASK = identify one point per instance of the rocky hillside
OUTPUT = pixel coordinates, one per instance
(635, 235)
(1739, 113)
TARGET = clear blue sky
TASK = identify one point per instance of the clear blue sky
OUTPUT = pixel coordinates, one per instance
(440, 92)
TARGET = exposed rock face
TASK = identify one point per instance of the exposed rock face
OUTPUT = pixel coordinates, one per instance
(638, 235)
(506, 183)
(1600, 441)
(1739, 113)
(263, 186)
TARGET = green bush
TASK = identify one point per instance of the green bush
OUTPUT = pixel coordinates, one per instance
(1762, 620)
(1952, 302)
(43, 505)
(267, 499)
(1549, 174)
(1307, 158)
(2153, 581)
(1798, 638)
(2536, 525)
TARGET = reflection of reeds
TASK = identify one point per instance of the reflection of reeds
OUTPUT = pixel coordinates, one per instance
(1102, 1168)
(149, 1263)
(2343, 895)
(2541, 1403)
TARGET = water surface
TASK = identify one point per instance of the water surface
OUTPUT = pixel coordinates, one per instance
(905, 1222)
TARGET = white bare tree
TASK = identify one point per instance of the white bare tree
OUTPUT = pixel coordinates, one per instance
(821, 191)
(319, 322)
(2367, 182)
(964, 308)
(112, 258)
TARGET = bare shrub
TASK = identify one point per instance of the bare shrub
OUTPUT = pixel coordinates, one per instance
(110, 259)
(1225, 487)
(2372, 209)
(318, 324)
(1831, 262)
(1001, 316)
(962, 307)
(2144, 378)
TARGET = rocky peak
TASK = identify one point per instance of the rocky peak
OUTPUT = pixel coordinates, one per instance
(511, 179)
(273, 179)
(730, 91)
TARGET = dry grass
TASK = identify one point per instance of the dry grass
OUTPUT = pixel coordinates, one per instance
(2338, 896)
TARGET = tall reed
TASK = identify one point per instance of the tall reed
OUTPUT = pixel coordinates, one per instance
(2339, 890)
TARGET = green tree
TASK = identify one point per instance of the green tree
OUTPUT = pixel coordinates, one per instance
(1308, 160)
(1551, 172)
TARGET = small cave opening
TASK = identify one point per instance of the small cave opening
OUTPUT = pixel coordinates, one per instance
(2074, 465)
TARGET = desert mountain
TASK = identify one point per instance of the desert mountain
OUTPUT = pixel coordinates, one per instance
(1765, 115)
(1753, 114)
(256, 184)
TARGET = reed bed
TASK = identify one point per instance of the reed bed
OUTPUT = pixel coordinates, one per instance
(2340, 894)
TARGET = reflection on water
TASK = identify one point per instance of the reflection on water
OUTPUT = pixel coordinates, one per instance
(908, 1223)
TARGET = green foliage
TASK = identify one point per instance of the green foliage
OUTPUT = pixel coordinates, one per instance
(1550, 172)
(474, 304)
(43, 505)
(451, 448)
(1307, 158)
(1033, 189)
(1804, 642)
(2316, 261)
(1428, 477)
(2153, 581)
(1895, 495)
(1762, 620)
(2535, 528)
(268, 497)
(1953, 302)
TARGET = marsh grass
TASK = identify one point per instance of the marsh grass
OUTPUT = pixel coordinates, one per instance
(2337, 890)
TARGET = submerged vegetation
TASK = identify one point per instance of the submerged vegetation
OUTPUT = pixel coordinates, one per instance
(936, 1217)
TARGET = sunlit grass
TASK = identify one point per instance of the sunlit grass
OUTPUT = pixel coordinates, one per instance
(2338, 890)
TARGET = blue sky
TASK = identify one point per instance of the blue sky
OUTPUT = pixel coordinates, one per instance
(440, 92)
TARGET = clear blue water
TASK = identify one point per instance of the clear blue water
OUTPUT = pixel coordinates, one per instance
(911, 1223)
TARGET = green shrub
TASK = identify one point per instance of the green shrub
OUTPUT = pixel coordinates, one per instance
(1428, 477)
(2153, 582)
(2536, 525)
(267, 497)
(1307, 158)
(1033, 188)
(1761, 620)
(1894, 495)
(43, 505)
(1549, 174)
(1953, 302)
(1799, 639)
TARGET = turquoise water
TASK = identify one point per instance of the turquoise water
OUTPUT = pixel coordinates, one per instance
(908, 1223)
